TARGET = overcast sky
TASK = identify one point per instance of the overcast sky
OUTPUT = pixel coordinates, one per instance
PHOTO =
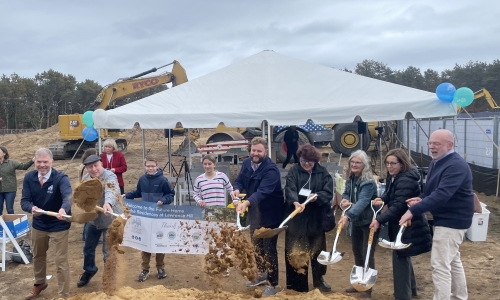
(107, 40)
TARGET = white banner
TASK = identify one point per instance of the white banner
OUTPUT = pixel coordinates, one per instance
(171, 229)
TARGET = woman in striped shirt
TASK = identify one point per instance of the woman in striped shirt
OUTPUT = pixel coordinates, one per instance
(210, 188)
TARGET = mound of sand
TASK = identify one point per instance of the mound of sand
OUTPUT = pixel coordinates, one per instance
(161, 292)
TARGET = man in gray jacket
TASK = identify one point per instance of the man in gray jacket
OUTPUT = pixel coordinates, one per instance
(99, 226)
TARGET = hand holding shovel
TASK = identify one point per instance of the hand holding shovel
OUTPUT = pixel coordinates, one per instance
(238, 223)
(78, 218)
(98, 208)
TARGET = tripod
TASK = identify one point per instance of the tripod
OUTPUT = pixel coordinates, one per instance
(174, 171)
(187, 177)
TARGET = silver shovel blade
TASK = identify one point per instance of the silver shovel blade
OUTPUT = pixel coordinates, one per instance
(392, 245)
(361, 280)
(327, 258)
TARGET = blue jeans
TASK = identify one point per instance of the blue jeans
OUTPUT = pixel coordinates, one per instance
(9, 202)
(92, 235)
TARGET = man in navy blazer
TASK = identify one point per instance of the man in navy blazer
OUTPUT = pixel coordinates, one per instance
(47, 189)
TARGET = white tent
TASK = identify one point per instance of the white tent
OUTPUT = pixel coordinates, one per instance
(282, 90)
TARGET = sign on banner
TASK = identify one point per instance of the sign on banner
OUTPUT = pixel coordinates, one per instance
(172, 229)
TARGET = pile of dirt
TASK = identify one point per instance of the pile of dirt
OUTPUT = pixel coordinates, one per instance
(161, 292)
(299, 261)
(228, 249)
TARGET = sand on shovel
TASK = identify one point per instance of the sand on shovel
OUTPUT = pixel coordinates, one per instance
(87, 194)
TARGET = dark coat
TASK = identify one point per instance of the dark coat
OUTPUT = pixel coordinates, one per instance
(309, 221)
(52, 196)
(263, 189)
(399, 189)
(291, 139)
(152, 188)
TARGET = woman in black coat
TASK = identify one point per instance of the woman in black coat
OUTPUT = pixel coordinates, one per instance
(305, 232)
(403, 184)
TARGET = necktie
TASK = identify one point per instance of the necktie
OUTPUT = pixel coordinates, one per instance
(41, 180)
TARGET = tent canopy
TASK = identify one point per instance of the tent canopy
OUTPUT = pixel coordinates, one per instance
(279, 89)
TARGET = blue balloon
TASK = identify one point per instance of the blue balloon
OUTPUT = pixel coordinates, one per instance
(89, 134)
(445, 92)
(463, 97)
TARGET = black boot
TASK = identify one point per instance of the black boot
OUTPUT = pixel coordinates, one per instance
(321, 285)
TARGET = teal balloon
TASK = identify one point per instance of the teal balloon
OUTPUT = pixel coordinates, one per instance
(89, 134)
(463, 97)
(87, 118)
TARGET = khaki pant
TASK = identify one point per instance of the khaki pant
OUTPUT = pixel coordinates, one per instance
(146, 257)
(447, 270)
(40, 243)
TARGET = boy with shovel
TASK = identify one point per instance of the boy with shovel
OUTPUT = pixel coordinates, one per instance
(99, 226)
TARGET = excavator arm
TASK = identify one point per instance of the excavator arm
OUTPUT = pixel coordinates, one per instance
(483, 93)
(127, 86)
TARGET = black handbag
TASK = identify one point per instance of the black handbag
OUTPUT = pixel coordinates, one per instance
(327, 217)
(26, 248)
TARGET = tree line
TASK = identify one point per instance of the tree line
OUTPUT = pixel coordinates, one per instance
(37, 102)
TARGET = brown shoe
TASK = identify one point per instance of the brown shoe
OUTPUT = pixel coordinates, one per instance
(35, 292)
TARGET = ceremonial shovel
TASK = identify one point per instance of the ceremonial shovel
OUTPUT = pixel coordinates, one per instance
(238, 223)
(397, 245)
(269, 233)
(98, 208)
(362, 279)
(329, 258)
(78, 218)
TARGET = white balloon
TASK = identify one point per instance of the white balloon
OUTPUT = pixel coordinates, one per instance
(100, 116)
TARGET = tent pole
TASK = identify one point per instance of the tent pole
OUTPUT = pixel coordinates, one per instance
(380, 149)
(169, 153)
(143, 146)
(269, 139)
(408, 135)
(99, 142)
(189, 148)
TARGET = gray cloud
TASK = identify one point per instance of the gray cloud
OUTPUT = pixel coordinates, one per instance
(107, 40)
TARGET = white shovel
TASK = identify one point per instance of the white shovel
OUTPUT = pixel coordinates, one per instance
(329, 258)
(398, 244)
(362, 279)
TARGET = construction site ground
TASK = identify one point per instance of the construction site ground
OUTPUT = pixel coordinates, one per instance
(186, 279)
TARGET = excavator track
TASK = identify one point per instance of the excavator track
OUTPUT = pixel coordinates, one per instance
(59, 150)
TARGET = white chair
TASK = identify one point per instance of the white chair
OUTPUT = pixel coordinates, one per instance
(227, 157)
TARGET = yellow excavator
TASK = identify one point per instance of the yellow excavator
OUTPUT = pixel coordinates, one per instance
(71, 126)
(482, 93)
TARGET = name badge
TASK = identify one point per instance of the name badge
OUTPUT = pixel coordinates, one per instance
(305, 192)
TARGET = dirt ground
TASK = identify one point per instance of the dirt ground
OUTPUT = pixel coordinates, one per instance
(186, 279)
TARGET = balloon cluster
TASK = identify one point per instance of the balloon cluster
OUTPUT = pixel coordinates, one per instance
(89, 133)
(462, 97)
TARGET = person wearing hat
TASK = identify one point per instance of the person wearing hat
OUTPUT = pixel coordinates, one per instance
(99, 226)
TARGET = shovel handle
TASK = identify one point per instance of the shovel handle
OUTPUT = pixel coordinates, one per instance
(50, 213)
(370, 237)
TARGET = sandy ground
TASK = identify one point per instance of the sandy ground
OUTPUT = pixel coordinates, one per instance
(186, 279)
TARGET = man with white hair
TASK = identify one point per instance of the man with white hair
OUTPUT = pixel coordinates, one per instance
(94, 229)
(47, 189)
(449, 197)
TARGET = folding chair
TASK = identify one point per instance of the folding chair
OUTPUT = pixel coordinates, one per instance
(334, 157)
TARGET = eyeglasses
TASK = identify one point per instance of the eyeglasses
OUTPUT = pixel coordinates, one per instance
(356, 163)
(150, 167)
(302, 161)
(391, 164)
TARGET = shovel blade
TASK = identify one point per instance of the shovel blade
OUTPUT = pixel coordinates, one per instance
(328, 258)
(269, 233)
(361, 280)
(393, 245)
